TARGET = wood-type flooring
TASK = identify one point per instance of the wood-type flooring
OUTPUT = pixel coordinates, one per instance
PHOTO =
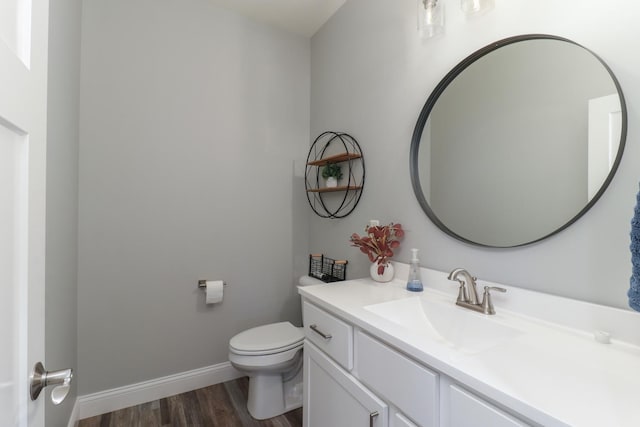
(220, 405)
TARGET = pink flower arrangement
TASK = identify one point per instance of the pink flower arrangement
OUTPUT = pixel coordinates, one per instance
(379, 242)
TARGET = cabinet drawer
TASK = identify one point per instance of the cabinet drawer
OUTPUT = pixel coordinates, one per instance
(468, 410)
(330, 334)
(411, 387)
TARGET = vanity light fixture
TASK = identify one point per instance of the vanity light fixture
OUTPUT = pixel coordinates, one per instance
(474, 7)
(430, 18)
(431, 14)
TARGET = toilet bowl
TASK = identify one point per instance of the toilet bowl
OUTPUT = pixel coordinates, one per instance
(271, 356)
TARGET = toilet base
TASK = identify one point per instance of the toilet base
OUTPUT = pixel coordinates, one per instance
(270, 397)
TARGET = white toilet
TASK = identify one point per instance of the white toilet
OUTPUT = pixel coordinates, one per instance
(271, 355)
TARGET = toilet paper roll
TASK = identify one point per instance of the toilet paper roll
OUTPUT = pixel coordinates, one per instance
(215, 291)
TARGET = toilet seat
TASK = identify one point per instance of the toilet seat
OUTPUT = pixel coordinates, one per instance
(271, 356)
(267, 339)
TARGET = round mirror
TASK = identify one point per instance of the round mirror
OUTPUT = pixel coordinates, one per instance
(518, 141)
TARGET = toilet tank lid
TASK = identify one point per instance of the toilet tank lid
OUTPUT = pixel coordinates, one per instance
(308, 280)
(267, 337)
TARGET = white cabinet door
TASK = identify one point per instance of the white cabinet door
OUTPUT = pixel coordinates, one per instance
(399, 420)
(332, 397)
(468, 410)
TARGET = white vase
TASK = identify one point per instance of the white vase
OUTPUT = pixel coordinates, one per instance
(386, 276)
(332, 182)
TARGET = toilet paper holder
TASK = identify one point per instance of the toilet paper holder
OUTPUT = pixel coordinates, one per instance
(203, 284)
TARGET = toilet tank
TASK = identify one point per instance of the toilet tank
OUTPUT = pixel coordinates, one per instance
(308, 280)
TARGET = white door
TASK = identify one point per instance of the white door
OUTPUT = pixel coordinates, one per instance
(23, 90)
(605, 127)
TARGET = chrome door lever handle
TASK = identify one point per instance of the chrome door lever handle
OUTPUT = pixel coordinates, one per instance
(41, 378)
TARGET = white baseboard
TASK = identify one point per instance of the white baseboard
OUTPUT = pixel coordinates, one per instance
(102, 402)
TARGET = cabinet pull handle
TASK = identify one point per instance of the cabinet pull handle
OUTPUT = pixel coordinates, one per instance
(372, 417)
(315, 329)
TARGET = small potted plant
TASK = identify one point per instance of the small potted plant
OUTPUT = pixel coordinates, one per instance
(378, 244)
(332, 172)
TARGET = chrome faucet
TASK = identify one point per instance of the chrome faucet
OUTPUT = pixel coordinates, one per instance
(468, 294)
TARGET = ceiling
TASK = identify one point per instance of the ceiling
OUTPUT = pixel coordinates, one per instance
(302, 17)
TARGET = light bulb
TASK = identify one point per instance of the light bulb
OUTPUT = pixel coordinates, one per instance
(472, 7)
(430, 18)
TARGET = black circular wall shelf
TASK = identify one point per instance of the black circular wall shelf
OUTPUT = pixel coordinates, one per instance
(341, 149)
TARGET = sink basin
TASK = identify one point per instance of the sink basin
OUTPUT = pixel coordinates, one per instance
(457, 327)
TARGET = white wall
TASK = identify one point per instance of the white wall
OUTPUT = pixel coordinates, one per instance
(371, 75)
(191, 117)
(62, 198)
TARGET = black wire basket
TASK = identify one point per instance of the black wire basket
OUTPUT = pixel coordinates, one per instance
(327, 269)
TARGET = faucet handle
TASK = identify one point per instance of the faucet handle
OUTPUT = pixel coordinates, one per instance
(487, 304)
(462, 291)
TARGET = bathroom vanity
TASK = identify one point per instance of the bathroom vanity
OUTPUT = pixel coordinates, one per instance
(377, 355)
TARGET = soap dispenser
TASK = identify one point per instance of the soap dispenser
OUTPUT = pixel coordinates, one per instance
(414, 283)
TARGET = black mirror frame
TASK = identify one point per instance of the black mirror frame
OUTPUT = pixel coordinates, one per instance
(439, 89)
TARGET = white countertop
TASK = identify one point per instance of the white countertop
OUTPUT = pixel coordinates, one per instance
(554, 373)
